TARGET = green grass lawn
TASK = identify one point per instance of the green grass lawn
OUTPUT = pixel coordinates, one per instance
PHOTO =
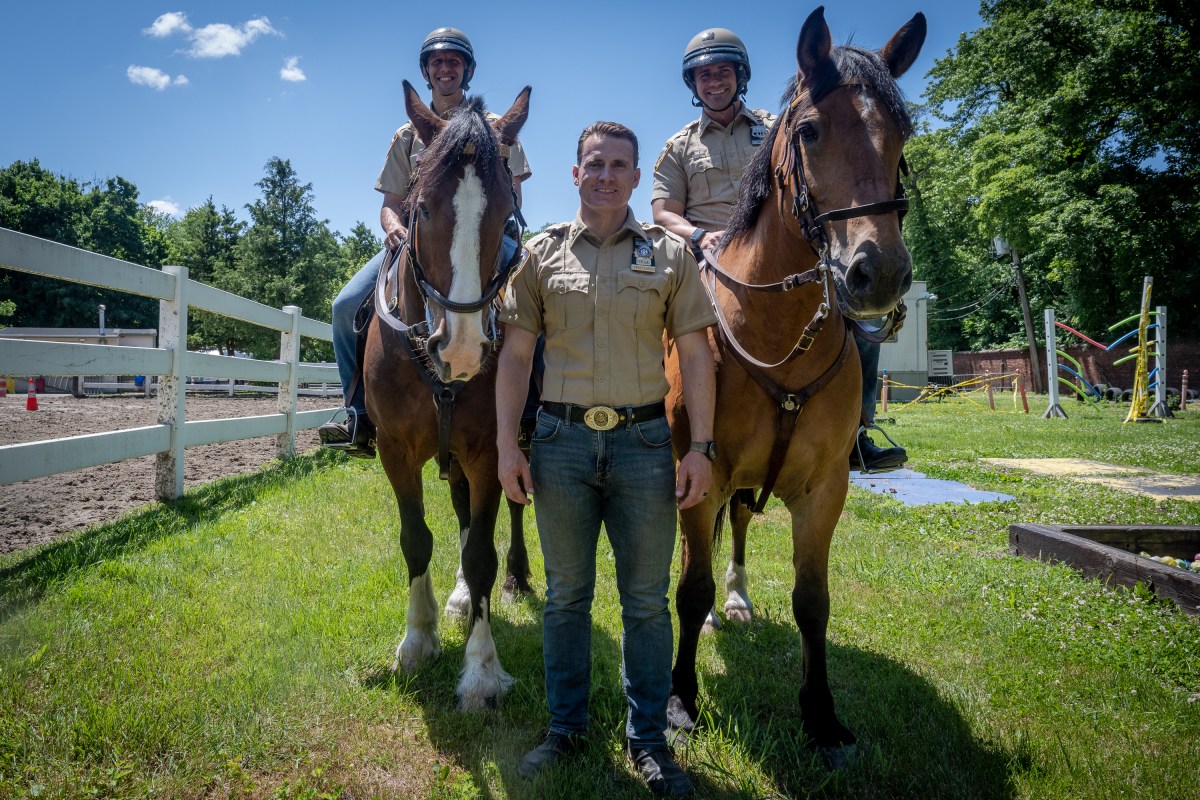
(236, 644)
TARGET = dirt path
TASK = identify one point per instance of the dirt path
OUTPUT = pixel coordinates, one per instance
(41, 510)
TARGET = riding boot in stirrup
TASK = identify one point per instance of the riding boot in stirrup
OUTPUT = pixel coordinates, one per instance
(354, 437)
(866, 456)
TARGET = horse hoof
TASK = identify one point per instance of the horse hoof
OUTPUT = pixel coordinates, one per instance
(840, 756)
(415, 651)
(679, 721)
(711, 623)
(741, 616)
(515, 590)
(458, 604)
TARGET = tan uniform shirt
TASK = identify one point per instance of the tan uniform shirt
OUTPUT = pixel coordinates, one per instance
(404, 153)
(701, 166)
(604, 319)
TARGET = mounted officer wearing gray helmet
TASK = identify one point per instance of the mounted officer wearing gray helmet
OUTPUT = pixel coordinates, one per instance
(448, 39)
(709, 47)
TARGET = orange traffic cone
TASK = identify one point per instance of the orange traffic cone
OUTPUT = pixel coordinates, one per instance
(31, 398)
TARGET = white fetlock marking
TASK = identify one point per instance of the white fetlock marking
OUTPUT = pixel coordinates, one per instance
(421, 642)
(738, 607)
(458, 604)
(484, 680)
(712, 622)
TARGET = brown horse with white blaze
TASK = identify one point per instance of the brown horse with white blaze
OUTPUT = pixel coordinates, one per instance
(814, 241)
(429, 388)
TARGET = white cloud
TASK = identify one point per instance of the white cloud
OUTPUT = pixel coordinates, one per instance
(291, 70)
(168, 23)
(180, 80)
(149, 76)
(165, 206)
(219, 39)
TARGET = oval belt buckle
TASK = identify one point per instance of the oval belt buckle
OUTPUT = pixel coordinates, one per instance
(601, 418)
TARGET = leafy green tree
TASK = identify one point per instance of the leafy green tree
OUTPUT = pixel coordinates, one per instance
(285, 257)
(1069, 129)
(107, 219)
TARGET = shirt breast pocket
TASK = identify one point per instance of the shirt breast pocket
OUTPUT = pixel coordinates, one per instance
(642, 299)
(567, 299)
(700, 167)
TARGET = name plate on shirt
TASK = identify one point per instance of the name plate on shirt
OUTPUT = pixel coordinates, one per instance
(757, 134)
(643, 256)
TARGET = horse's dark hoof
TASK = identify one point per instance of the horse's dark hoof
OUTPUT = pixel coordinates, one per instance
(514, 590)
(678, 718)
(839, 756)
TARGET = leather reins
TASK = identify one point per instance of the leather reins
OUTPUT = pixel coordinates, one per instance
(789, 173)
(415, 337)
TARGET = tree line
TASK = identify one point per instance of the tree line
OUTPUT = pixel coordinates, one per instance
(283, 255)
(1068, 128)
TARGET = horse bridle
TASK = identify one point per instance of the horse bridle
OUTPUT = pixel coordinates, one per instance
(414, 338)
(790, 171)
(430, 293)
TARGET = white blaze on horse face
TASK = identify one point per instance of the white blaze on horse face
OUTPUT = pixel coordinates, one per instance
(463, 347)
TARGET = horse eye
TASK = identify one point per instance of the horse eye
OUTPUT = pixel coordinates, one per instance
(424, 209)
(808, 132)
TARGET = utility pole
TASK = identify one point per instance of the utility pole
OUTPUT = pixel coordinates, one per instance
(1001, 247)
(1034, 366)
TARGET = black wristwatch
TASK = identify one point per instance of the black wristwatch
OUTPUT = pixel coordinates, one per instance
(709, 449)
(697, 235)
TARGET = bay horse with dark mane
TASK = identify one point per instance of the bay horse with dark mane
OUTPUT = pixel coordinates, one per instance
(429, 386)
(814, 243)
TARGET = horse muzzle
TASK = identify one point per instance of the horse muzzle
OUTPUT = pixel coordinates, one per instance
(874, 282)
(459, 347)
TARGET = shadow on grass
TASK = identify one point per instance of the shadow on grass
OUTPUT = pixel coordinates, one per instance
(911, 741)
(489, 745)
(25, 580)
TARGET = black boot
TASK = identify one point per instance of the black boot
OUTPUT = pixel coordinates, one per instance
(865, 456)
(354, 437)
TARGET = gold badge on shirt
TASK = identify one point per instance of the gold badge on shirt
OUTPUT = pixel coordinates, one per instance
(643, 256)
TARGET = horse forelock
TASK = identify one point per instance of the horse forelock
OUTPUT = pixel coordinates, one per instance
(467, 126)
(852, 65)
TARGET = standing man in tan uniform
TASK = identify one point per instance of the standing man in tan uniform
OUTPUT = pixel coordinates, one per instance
(603, 289)
(447, 64)
(699, 173)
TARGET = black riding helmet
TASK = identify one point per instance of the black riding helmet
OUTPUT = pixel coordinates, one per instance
(713, 45)
(448, 39)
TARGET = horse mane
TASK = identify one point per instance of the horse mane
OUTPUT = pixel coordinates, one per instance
(852, 64)
(468, 125)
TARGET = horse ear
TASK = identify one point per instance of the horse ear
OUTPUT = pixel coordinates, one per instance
(427, 123)
(901, 50)
(510, 124)
(812, 49)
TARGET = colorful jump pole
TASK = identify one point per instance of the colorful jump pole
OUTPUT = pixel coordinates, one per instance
(1160, 408)
(1054, 409)
(1139, 405)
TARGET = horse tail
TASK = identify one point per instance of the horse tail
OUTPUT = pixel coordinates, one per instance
(719, 526)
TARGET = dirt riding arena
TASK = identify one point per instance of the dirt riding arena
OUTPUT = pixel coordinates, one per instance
(41, 510)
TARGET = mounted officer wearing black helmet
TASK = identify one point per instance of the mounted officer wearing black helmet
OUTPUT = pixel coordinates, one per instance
(448, 39)
(709, 47)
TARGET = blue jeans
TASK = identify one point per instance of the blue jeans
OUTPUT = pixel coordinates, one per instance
(345, 307)
(868, 354)
(625, 479)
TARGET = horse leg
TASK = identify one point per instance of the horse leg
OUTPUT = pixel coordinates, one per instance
(738, 607)
(812, 530)
(421, 642)
(517, 572)
(693, 599)
(484, 680)
(459, 601)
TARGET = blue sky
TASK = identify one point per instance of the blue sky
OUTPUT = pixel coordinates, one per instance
(191, 100)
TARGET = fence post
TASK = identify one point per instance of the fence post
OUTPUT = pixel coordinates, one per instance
(289, 353)
(1054, 409)
(172, 397)
(1183, 390)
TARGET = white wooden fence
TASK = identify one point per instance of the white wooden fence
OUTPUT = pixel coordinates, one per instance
(171, 361)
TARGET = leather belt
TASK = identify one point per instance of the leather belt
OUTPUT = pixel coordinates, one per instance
(604, 418)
